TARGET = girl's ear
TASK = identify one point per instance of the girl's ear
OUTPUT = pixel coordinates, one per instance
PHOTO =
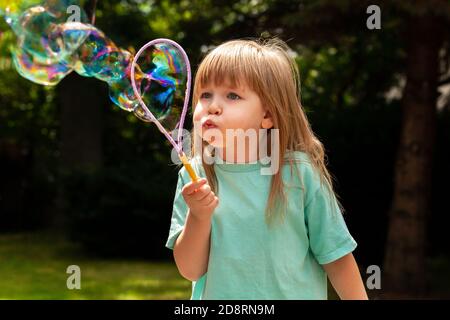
(267, 122)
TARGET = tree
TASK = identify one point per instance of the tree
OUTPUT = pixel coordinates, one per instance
(405, 250)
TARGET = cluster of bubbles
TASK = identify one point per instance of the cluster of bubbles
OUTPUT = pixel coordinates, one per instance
(50, 45)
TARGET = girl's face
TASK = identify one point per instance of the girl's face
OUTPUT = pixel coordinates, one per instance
(222, 107)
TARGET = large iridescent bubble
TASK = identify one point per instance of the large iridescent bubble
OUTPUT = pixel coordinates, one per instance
(50, 45)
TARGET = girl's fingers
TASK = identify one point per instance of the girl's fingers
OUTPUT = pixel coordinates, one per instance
(213, 204)
(208, 199)
(201, 193)
(190, 188)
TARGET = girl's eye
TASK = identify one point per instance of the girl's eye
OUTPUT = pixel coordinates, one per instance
(205, 95)
(233, 96)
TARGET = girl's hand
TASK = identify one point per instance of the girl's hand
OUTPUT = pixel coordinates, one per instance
(200, 199)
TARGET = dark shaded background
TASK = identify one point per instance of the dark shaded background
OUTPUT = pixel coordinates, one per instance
(73, 163)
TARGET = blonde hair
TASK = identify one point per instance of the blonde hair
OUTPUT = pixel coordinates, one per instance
(266, 67)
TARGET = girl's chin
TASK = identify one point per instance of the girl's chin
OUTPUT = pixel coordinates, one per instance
(213, 141)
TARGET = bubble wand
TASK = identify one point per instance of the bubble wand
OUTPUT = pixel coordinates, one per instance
(149, 115)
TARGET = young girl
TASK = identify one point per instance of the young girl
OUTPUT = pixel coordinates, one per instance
(240, 233)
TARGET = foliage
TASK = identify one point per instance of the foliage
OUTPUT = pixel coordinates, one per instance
(121, 211)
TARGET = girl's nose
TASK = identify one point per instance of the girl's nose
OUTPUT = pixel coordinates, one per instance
(214, 108)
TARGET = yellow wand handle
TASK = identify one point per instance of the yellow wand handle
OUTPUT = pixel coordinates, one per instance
(188, 167)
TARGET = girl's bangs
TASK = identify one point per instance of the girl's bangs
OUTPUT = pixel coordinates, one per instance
(218, 63)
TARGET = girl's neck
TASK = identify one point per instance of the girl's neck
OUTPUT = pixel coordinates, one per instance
(234, 157)
(251, 154)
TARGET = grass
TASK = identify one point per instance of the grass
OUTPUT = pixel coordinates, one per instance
(33, 266)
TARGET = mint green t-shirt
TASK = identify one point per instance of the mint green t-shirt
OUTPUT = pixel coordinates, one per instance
(249, 260)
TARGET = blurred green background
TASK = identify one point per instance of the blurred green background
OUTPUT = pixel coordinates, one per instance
(83, 182)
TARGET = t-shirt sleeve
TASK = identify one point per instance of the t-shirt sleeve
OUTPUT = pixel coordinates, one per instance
(328, 234)
(179, 213)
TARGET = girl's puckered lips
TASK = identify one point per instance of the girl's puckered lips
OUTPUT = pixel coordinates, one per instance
(208, 124)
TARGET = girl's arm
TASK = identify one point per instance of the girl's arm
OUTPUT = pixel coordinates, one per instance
(345, 277)
(191, 250)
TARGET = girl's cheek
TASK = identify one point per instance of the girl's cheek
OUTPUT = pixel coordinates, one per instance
(197, 114)
(195, 117)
